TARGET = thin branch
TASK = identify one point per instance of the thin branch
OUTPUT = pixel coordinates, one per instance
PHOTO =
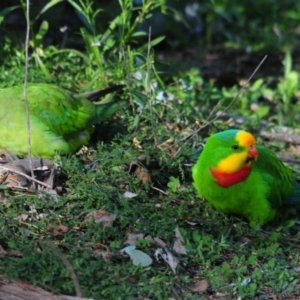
(25, 86)
(210, 118)
(128, 78)
(149, 94)
(242, 89)
(161, 191)
(68, 266)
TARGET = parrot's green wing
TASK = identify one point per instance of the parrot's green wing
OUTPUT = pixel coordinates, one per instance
(275, 174)
(284, 190)
(61, 121)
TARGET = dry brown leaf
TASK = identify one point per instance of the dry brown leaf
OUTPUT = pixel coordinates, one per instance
(141, 157)
(83, 150)
(2, 251)
(170, 126)
(178, 244)
(57, 229)
(132, 238)
(90, 157)
(295, 149)
(168, 257)
(156, 241)
(101, 216)
(166, 144)
(142, 174)
(200, 286)
(106, 255)
(14, 253)
(3, 175)
(3, 198)
(137, 143)
(169, 146)
(103, 251)
(12, 179)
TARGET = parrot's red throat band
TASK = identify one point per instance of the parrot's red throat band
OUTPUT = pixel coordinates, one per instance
(227, 179)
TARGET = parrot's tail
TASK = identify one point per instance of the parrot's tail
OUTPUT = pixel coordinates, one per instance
(109, 105)
(292, 204)
(96, 95)
(294, 199)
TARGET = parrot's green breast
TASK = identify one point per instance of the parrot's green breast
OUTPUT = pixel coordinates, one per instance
(60, 121)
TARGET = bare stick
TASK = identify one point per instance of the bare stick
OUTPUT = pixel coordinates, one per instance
(68, 266)
(149, 94)
(210, 118)
(240, 91)
(161, 191)
(128, 79)
(25, 87)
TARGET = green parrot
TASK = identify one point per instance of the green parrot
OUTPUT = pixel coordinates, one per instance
(238, 177)
(61, 121)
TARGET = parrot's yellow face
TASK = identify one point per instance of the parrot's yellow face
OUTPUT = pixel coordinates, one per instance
(236, 165)
(243, 154)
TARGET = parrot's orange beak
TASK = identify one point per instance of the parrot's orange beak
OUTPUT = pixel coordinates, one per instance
(252, 153)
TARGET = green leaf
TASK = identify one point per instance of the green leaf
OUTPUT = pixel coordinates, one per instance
(41, 65)
(153, 42)
(174, 184)
(157, 41)
(47, 6)
(6, 11)
(76, 6)
(262, 111)
(41, 33)
(139, 33)
(287, 63)
(196, 236)
(72, 51)
(292, 82)
(257, 85)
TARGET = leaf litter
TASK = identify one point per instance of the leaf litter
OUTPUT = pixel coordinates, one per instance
(15, 173)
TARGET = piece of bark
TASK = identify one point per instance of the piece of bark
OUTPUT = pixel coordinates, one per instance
(20, 290)
(37, 164)
(281, 137)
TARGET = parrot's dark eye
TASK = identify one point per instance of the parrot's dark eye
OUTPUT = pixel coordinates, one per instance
(235, 147)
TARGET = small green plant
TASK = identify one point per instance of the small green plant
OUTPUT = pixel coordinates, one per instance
(173, 184)
(288, 86)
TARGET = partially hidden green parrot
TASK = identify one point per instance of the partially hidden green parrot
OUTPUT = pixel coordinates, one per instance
(238, 177)
(60, 121)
